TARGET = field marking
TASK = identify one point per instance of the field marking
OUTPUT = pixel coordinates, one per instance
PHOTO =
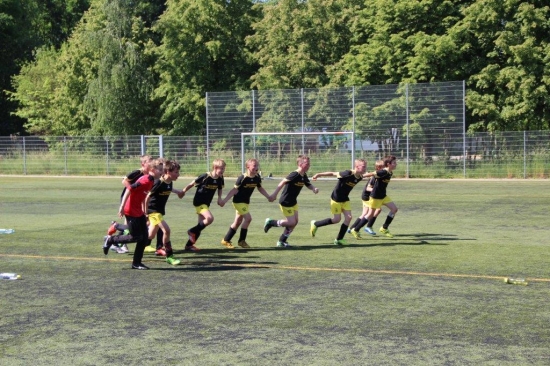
(294, 268)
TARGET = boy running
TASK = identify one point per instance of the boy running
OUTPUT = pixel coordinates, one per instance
(156, 208)
(378, 196)
(293, 184)
(365, 196)
(339, 199)
(241, 192)
(132, 209)
(207, 185)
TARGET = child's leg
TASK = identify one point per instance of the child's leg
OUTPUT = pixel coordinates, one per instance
(233, 227)
(246, 220)
(138, 229)
(290, 224)
(391, 215)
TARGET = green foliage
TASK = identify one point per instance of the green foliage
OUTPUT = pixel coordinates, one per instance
(295, 41)
(202, 49)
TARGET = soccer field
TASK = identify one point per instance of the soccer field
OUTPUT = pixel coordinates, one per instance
(433, 294)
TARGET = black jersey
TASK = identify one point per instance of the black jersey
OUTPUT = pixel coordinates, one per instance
(245, 186)
(159, 196)
(366, 194)
(132, 178)
(206, 188)
(292, 188)
(381, 183)
(346, 181)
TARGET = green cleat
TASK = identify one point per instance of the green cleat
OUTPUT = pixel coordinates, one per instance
(313, 228)
(267, 225)
(173, 261)
(340, 242)
(283, 244)
(355, 234)
(386, 232)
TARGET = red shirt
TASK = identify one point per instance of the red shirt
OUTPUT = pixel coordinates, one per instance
(138, 192)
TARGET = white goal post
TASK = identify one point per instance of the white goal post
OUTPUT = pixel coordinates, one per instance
(303, 134)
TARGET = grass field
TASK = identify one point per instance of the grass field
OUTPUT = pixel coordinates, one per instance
(433, 295)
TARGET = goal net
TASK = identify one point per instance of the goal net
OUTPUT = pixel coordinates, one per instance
(277, 151)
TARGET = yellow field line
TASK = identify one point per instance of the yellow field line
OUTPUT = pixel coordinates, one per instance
(295, 268)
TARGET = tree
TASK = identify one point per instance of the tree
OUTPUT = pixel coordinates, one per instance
(507, 48)
(24, 27)
(202, 50)
(101, 79)
(295, 41)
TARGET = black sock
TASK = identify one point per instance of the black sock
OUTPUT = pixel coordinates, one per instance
(357, 221)
(343, 229)
(242, 235)
(362, 223)
(230, 233)
(389, 219)
(169, 251)
(371, 221)
(160, 236)
(324, 222)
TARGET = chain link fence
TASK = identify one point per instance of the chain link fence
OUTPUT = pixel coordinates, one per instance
(422, 124)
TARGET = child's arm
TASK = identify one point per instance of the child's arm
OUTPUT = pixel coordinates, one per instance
(314, 189)
(179, 192)
(220, 200)
(188, 187)
(278, 189)
(146, 202)
(230, 195)
(123, 203)
(265, 194)
(325, 174)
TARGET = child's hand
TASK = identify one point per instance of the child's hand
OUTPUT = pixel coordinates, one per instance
(181, 194)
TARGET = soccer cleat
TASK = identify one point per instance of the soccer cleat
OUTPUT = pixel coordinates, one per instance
(116, 248)
(227, 244)
(356, 235)
(173, 261)
(124, 248)
(149, 249)
(386, 232)
(313, 228)
(283, 244)
(160, 252)
(107, 244)
(340, 242)
(112, 229)
(267, 225)
(191, 248)
(139, 266)
(192, 236)
(369, 230)
(244, 244)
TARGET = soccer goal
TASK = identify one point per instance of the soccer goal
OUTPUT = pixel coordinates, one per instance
(277, 151)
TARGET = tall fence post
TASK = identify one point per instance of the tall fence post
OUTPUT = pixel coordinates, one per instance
(65, 153)
(107, 157)
(353, 126)
(161, 146)
(24, 156)
(524, 154)
(464, 128)
(407, 120)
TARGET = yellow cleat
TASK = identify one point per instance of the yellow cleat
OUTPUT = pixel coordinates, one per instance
(244, 244)
(227, 244)
(355, 234)
(386, 232)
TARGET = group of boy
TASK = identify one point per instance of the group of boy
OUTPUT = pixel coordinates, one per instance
(147, 190)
